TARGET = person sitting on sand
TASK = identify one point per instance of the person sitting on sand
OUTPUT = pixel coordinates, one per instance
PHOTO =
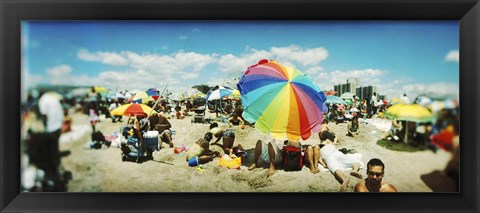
(313, 158)
(235, 120)
(326, 133)
(353, 127)
(201, 149)
(163, 127)
(270, 153)
(337, 162)
(374, 181)
(228, 136)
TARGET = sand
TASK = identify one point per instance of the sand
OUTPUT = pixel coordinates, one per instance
(102, 170)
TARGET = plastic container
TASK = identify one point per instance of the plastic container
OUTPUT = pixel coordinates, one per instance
(193, 161)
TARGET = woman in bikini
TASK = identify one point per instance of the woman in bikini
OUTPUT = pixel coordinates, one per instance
(228, 136)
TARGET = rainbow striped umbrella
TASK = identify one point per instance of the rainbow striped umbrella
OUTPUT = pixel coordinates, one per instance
(281, 100)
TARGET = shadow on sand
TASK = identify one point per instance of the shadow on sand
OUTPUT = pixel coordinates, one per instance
(439, 182)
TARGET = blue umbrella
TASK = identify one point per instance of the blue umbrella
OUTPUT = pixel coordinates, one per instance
(334, 100)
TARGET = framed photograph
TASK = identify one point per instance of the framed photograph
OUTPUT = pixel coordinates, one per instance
(153, 105)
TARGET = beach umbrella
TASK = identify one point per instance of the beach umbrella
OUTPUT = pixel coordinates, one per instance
(132, 110)
(142, 97)
(192, 93)
(409, 112)
(219, 93)
(235, 94)
(334, 100)
(153, 92)
(347, 95)
(329, 93)
(281, 100)
(99, 89)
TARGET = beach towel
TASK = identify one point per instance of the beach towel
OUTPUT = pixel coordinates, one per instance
(230, 163)
(339, 161)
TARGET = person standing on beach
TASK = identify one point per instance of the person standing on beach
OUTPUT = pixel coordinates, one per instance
(374, 181)
(51, 112)
(373, 104)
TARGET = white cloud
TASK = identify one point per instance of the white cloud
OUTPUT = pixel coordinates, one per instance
(453, 56)
(441, 88)
(182, 37)
(313, 70)
(291, 55)
(103, 57)
(58, 71)
(294, 53)
(366, 76)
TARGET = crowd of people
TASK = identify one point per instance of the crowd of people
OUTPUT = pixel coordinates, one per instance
(53, 112)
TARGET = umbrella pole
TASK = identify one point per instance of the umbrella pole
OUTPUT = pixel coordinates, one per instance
(406, 133)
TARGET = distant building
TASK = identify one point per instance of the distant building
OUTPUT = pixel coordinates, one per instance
(366, 92)
(348, 87)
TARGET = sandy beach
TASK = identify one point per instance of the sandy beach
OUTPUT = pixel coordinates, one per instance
(102, 170)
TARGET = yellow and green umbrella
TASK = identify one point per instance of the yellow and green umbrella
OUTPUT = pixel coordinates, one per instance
(409, 112)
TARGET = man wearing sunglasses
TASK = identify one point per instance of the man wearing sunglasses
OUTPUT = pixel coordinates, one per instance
(374, 181)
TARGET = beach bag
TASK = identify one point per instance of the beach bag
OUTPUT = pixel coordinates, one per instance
(292, 158)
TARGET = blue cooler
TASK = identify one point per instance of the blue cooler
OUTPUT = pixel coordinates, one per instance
(150, 140)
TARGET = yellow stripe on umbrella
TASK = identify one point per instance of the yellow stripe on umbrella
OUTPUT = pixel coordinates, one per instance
(133, 109)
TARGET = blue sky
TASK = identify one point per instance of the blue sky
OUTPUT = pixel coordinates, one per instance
(396, 56)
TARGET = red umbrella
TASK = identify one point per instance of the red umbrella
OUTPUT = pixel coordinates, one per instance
(329, 93)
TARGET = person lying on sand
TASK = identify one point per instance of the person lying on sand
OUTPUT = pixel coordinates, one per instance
(201, 149)
(374, 181)
(337, 162)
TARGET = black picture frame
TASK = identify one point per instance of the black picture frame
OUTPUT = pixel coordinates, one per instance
(467, 12)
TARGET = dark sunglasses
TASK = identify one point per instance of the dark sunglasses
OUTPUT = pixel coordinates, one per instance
(375, 173)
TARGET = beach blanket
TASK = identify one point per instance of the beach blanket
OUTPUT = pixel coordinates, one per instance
(341, 161)
(336, 160)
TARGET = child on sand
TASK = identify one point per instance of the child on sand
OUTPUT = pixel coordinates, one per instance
(201, 149)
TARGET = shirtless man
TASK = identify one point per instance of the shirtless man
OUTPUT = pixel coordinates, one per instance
(374, 181)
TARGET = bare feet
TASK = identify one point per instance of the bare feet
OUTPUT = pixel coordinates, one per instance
(314, 169)
(344, 185)
(270, 172)
(253, 166)
(356, 174)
